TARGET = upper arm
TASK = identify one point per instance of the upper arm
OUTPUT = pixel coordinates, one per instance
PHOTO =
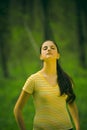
(24, 96)
(29, 85)
(27, 90)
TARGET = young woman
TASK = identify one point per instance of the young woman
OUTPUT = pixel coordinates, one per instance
(52, 91)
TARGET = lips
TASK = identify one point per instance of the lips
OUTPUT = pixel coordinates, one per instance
(49, 53)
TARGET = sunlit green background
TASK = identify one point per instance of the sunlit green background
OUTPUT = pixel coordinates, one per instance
(24, 25)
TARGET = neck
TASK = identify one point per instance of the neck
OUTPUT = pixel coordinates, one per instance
(49, 68)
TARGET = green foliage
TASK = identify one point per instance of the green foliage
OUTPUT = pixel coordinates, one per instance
(26, 32)
(9, 92)
(81, 90)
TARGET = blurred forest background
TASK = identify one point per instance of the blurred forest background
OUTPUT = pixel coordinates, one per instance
(24, 25)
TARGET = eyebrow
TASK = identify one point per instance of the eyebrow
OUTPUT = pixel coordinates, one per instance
(47, 46)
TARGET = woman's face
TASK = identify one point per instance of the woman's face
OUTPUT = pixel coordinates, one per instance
(49, 51)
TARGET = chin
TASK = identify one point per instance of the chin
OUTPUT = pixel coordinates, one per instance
(49, 58)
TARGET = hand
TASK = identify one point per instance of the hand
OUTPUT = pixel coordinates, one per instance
(78, 128)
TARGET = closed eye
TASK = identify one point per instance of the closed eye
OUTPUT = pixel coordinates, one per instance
(45, 48)
(52, 47)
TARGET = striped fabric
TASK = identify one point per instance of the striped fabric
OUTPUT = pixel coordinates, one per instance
(51, 111)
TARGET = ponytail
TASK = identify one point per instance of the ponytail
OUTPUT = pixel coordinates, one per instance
(65, 84)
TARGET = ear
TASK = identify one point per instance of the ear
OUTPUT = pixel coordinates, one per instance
(58, 56)
(41, 57)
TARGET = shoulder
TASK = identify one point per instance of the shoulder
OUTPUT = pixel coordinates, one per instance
(34, 76)
(29, 85)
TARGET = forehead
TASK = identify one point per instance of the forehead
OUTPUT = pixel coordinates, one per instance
(48, 43)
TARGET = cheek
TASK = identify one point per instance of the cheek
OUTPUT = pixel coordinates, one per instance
(42, 55)
(55, 53)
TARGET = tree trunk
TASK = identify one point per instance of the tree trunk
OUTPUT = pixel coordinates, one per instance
(81, 38)
(85, 15)
(3, 38)
(48, 34)
(4, 61)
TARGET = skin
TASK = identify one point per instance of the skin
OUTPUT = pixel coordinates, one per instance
(49, 55)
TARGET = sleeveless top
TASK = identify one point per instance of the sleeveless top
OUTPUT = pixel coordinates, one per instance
(51, 108)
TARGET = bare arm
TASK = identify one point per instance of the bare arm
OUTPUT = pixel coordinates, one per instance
(74, 114)
(24, 96)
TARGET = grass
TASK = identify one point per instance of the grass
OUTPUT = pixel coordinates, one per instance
(11, 88)
(9, 92)
(81, 92)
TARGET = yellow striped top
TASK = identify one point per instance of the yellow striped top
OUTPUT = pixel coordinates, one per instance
(51, 111)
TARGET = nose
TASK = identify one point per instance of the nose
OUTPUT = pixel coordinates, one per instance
(49, 48)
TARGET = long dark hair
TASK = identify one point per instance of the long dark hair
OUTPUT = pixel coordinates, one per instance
(64, 81)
